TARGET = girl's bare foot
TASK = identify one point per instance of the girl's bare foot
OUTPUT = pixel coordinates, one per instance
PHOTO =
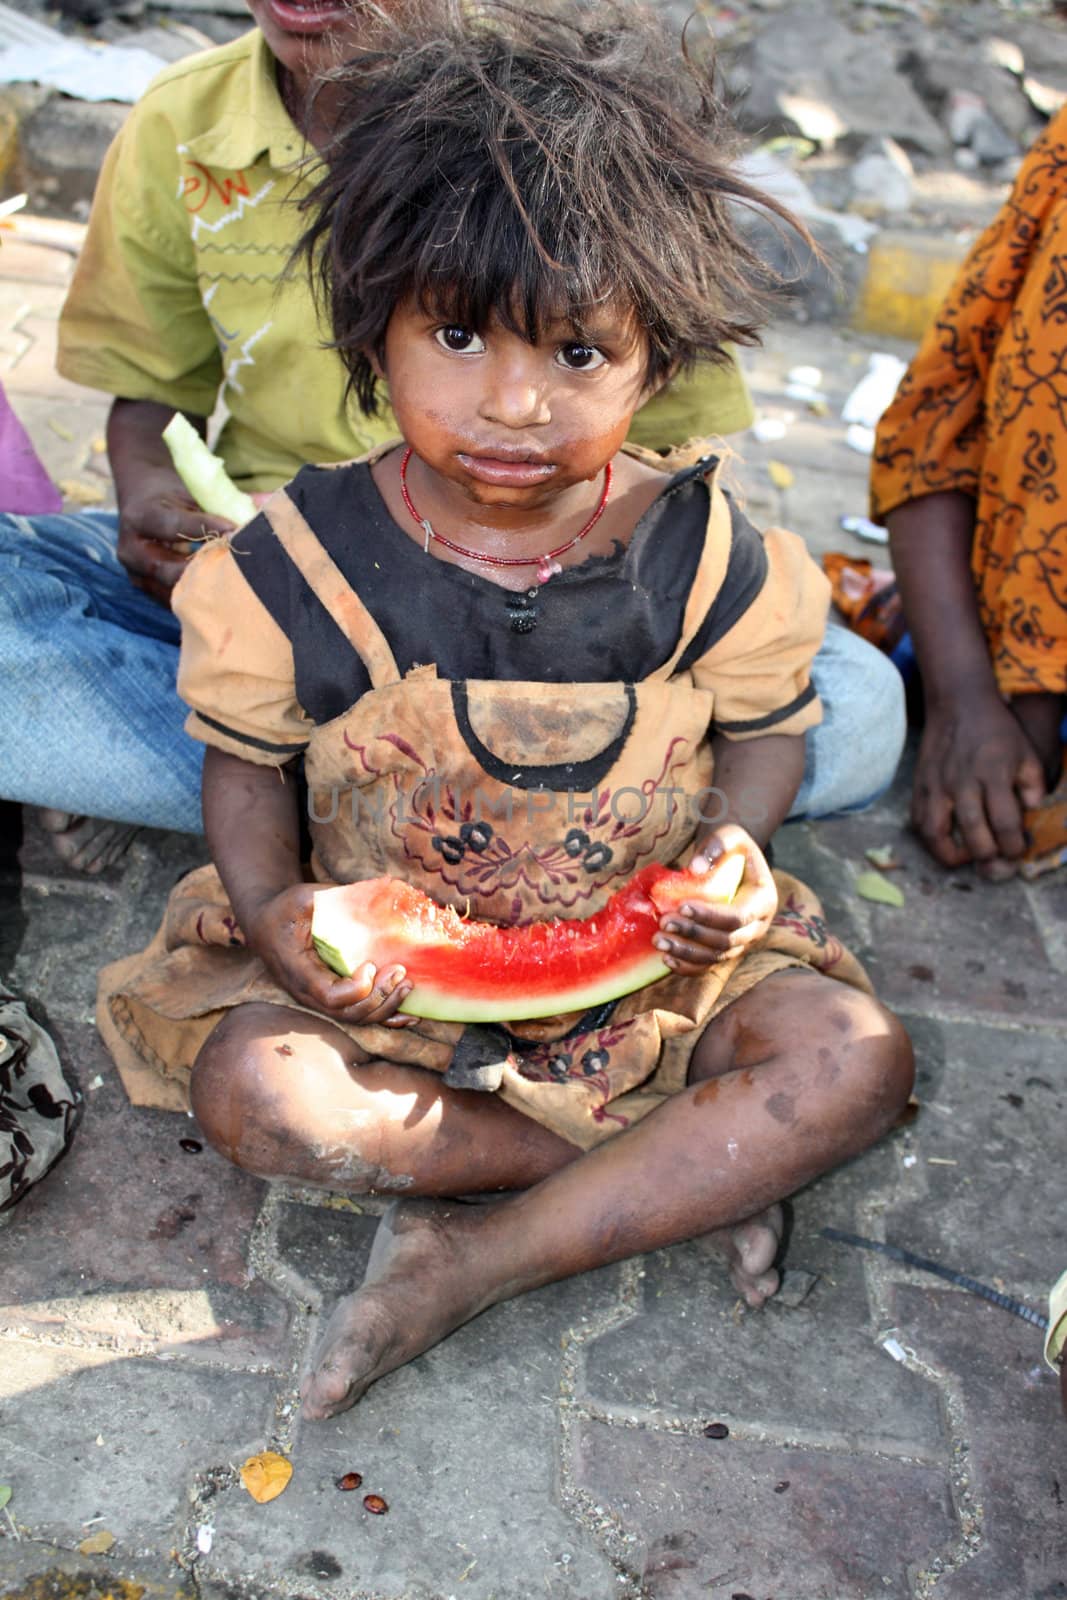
(88, 844)
(421, 1283)
(750, 1249)
(429, 1272)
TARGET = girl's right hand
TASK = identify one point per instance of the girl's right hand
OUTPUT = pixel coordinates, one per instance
(280, 934)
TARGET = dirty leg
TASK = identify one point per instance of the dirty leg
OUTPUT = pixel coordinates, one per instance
(820, 1072)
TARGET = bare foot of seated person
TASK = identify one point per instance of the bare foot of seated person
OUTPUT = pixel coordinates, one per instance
(88, 844)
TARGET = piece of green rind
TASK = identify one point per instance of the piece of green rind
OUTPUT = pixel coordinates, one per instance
(331, 955)
(872, 886)
(426, 1001)
(204, 475)
(435, 1004)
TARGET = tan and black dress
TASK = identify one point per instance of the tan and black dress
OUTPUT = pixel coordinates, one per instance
(520, 755)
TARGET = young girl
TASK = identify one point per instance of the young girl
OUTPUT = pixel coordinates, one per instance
(517, 663)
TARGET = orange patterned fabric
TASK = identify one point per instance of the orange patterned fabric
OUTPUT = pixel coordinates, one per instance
(983, 409)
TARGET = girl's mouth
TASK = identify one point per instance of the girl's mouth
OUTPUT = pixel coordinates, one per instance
(508, 474)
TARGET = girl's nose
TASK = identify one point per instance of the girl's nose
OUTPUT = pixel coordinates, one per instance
(516, 395)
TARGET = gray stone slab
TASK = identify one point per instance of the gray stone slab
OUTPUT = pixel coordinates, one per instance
(1014, 1480)
(324, 1250)
(815, 1371)
(68, 925)
(133, 1241)
(958, 946)
(39, 1572)
(93, 1442)
(462, 1444)
(732, 1518)
(994, 1110)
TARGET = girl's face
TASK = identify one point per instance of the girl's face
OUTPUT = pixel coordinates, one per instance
(508, 423)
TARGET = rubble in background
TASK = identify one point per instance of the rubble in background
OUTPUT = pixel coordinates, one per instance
(864, 115)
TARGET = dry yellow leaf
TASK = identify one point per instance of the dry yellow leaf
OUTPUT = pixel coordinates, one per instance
(266, 1475)
(81, 494)
(97, 1544)
(780, 475)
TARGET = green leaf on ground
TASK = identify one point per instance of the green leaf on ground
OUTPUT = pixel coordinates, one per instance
(5, 1494)
(872, 886)
(881, 855)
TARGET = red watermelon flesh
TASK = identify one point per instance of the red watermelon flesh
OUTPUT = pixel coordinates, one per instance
(464, 970)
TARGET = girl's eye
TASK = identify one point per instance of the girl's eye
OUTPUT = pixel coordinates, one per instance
(580, 357)
(461, 341)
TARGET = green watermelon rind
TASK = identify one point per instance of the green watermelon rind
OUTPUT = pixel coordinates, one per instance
(330, 927)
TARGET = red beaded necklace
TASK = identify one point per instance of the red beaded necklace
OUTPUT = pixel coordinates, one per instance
(547, 565)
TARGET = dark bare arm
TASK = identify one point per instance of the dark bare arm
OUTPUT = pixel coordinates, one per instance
(250, 818)
(976, 770)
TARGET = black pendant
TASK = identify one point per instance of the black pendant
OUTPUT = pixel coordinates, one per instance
(522, 610)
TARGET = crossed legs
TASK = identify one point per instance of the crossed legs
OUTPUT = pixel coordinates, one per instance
(770, 1105)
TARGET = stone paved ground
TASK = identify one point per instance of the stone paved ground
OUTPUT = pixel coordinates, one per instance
(156, 1307)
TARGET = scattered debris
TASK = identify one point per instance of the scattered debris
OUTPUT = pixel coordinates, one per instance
(881, 856)
(802, 383)
(908, 1258)
(894, 1348)
(882, 182)
(716, 1430)
(80, 493)
(796, 1285)
(97, 1544)
(875, 390)
(350, 1480)
(781, 476)
(205, 1538)
(863, 528)
(375, 1505)
(266, 1475)
(872, 886)
(860, 439)
(192, 1147)
(767, 430)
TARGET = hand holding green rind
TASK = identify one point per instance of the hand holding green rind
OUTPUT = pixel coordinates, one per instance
(204, 475)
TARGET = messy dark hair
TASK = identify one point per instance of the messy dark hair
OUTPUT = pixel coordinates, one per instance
(527, 164)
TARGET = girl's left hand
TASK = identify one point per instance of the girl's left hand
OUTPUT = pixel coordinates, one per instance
(696, 936)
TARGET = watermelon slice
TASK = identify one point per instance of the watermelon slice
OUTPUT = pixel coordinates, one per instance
(470, 971)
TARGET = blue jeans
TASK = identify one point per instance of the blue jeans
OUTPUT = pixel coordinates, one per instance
(93, 724)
